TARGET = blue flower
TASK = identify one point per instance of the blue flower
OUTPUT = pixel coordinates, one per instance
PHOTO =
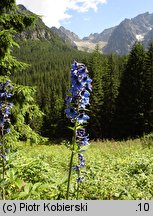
(75, 90)
(82, 118)
(10, 86)
(88, 84)
(81, 133)
(80, 156)
(8, 94)
(74, 65)
(79, 179)
(8, 130)
(71, 112)
(83, 102)
(2, 156)
(76, 102)
(11, 105)
(7, 82)
(76, 168)
(84, 141)
(82, 164)
(85, 94)
(2, 122)
(2, 86)
(5, 106)
(2, 94)
(81, 159)
(68, 100)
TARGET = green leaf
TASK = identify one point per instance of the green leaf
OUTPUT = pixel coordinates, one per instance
(71, 128)
(79, 127)
(36, 186)
(22, 195)
(19, 183)
(27, 188)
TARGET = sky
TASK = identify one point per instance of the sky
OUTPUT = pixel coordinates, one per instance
(84, 17)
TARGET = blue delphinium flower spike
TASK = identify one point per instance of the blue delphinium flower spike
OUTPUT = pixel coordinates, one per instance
(76, 102)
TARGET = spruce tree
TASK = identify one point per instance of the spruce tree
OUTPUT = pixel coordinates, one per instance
(148, 90)
(130, 112)
(110, 88)
(97, 96)
(24, 111)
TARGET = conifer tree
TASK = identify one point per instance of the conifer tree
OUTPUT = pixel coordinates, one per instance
(130, 112)
(24, 110)
(110, 87)
(97, 95)
(148, 90)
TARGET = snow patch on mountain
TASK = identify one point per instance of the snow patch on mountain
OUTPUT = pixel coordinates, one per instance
(139, 37)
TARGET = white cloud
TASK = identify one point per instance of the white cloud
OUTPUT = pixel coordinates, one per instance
(55, 11)
(85, 5)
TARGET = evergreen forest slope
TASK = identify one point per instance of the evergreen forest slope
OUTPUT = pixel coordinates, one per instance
(111, 111)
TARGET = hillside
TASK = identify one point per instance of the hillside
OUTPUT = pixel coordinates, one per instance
(50, 59)
(39, 31)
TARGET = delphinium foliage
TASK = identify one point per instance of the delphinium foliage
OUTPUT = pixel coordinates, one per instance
(5, 108)
(76, 101)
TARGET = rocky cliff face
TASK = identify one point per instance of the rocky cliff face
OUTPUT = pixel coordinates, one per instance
(128, 32)
(66, 35)
(103, 36)
(39, 31)
(148, 37)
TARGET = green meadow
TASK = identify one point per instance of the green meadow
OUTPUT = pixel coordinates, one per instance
(113, 171)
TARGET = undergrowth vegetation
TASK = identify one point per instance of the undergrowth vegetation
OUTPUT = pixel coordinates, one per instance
(114, 170)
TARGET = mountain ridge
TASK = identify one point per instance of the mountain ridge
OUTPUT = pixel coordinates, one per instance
(118, 39)
(128, 32)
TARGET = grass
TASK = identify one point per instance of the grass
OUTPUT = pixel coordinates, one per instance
(114, 170)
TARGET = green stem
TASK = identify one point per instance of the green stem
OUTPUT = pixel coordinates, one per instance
(78, 184)
(69, 176)
(3, 167)
(3, 177)
(78, 187)
(71, 162)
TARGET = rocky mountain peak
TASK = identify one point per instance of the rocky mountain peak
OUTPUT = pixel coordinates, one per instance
(22, 7)
(71, 35)
(39, 31)
(66, 35)
(128, 32)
